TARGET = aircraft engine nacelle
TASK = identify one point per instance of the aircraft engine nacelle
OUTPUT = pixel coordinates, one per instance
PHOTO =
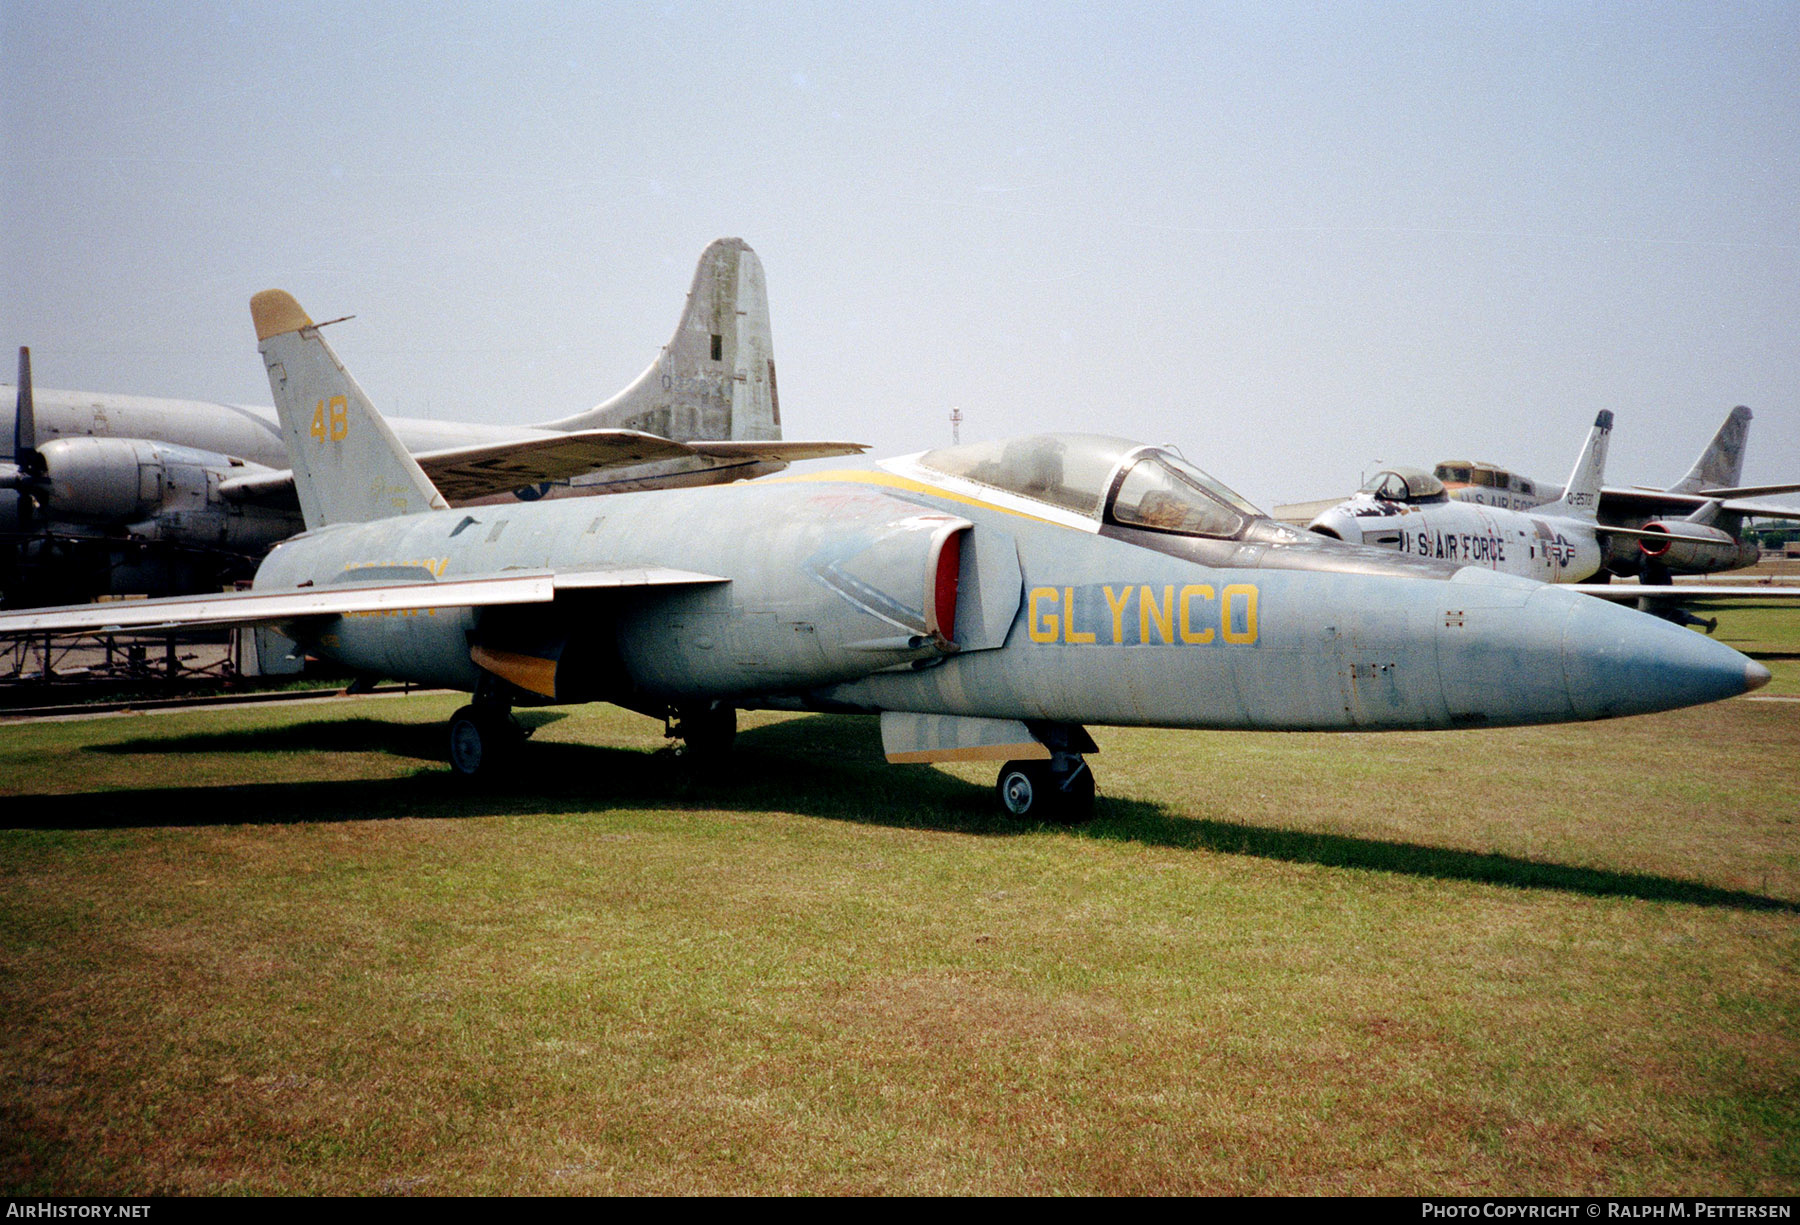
(883, 585)
(1721, 550)
(102, 480)
(153, 491)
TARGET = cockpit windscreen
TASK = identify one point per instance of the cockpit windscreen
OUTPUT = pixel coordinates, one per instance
(1159, 490)
(1167, 494)
(1072, 471)
(1406, 485)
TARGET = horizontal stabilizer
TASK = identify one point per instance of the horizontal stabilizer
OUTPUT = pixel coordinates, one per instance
(275, 607)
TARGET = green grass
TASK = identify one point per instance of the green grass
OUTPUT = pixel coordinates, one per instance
(279, 950)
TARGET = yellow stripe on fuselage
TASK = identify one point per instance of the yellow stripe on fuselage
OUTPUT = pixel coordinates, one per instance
(863, 476)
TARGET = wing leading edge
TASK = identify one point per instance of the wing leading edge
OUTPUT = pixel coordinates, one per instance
(294, 604)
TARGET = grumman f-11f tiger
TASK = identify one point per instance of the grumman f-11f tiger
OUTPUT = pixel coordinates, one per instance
(986, 601)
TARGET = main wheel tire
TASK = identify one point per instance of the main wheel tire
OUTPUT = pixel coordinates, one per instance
(707, 731)
(482, 741)
(1023, 787)
(1032, 791)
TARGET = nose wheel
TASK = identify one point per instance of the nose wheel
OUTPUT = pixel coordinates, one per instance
(1059, 791)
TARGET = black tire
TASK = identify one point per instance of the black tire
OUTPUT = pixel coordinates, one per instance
(483, 742)
(1021, 789)
(707, 731)
(1031, 791)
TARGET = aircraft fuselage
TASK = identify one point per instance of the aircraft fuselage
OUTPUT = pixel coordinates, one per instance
(1548, 548)
(828, 605)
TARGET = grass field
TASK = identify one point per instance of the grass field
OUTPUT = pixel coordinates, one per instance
(280, 950)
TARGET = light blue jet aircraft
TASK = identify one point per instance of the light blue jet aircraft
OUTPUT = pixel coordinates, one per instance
(987, 601)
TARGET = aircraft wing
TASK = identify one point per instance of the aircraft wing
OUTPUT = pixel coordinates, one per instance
(295, 604)
(775, 450)
(1762, 510)
(270, 488)
(463, 474)
(1749, 491)
(1622, 502)
(1688, 593)
(1607, 529)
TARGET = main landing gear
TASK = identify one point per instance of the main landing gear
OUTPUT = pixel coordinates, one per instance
(1060, 790)
(706, 730)
(484, 740)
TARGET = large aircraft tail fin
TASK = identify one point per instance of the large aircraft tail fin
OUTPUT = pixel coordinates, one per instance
(1721, 465)
(715, 379)
(348, 465)
(1581, 497)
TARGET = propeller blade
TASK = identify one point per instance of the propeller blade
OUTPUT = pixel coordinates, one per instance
(27, 459)
(25, 452)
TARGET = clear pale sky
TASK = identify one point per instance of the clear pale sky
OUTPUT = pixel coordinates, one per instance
(1292, 239)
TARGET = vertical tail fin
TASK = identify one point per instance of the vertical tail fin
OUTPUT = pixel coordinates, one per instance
(1581, 499)
(348, 465)
(715, 379)
(1721, 465)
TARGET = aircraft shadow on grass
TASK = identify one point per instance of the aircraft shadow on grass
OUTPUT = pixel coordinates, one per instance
(819, 767)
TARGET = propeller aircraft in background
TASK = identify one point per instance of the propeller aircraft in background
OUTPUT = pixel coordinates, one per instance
(108, 494)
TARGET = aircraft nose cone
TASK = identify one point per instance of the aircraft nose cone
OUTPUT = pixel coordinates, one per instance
(1619, 661)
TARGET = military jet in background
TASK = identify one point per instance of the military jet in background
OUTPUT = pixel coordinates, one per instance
(986, 601)
(1720, 465)
(127, 494)
(1694, 526)
(1411, 512)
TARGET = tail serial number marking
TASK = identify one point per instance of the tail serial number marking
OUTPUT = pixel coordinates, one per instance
(331, 420)
(1095, 615)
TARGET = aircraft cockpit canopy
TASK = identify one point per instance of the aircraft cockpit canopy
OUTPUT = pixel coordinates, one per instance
(1113, 480)
(1413, 485)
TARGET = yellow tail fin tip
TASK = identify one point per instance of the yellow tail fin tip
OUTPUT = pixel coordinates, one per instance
(274, 311)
